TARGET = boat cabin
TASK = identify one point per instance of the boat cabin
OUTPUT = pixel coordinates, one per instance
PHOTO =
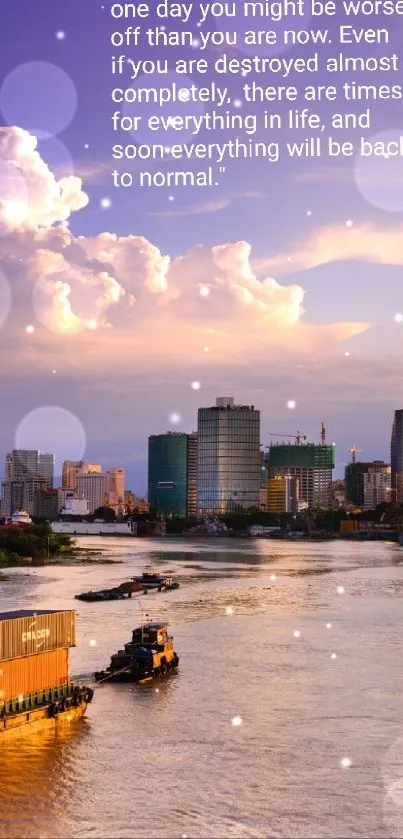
(151, 634)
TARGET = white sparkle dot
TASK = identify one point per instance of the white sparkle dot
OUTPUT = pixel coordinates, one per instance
(328, 626)
(289, 259)
(237, 103)
(236, 720)
(340, 589)
(398, 317)
(157, 690)
(195, 385)
(54, 371)
(206, 349)
(333, 656)
(171, 198)
(30, 329)
(349, 223)
(60, 35)
(1, 694)
(347, 354)
(309, 212)
(93, 643)
(229, 610)
(204, 291)
(91, 324)
(199, 23)
(196, 43)
(105, 203)
(244, 73)
(162, 28)
(273, 577)
(345, 762)
(21, 697)
(175, 418)
(291, 404)
(184, 94)
(167, 150)
(297, 633)
(86, 145)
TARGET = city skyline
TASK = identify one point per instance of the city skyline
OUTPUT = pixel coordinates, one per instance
(282, 285)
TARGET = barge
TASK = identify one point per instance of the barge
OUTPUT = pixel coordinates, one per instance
(148, 655)
(143, 584)
(36, 691)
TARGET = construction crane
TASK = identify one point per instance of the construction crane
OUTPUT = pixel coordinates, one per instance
(297, 437)
(353, 451)
(322, 434)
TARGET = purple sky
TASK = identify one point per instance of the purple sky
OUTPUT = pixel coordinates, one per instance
(325, 333)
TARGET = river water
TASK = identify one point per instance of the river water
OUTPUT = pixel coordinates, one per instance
(166, 759)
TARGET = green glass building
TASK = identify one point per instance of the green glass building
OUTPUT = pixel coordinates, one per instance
(312, 464)
(172, 473)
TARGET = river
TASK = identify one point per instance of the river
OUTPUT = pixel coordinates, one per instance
(285, 718)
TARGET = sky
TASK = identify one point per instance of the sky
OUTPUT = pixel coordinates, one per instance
(124, 310)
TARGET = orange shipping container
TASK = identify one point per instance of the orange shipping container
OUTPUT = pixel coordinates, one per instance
(34, 672)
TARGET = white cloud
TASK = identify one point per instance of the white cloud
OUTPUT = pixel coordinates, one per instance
(153, 302)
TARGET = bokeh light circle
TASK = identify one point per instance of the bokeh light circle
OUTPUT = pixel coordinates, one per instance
(165, 135)
(38, 96)
(380, 178)
(56, 156)
(53, 430)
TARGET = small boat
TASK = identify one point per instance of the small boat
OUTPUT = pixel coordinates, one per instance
(148, 655)
(150, 582)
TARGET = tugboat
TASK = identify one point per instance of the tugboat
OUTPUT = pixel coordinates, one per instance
(148, 655)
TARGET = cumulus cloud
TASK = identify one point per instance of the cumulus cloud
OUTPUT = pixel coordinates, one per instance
(363, 242)
(156, 309)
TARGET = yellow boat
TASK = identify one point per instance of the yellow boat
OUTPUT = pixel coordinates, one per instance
(148, 655)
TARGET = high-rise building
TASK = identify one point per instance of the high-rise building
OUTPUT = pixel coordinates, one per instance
(115, 487)
(377, 486)
(46, 468)
(310, 463)
(229, 466)
(172, 473)
(282, 494)
(27, 471)
(93, 487)
(396, 457)
(354, 479)
(71, 469)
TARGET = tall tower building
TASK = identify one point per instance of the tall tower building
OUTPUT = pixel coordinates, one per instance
(46, 468)
(229, 467)
(71, 469)
(310, 463)
(396, 457)
(115, 487)
(172, 473)
(357, 482)
(93, 487)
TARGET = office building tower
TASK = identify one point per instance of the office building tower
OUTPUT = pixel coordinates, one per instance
(46, 468)
(27, 471)
(310, 463)
(172, 473)
(282, 494)
(354, 479)
(93, 487)
(229, 468)
(377, 486)
(396, 457)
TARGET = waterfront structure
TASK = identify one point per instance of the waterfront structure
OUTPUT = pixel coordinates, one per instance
(101, 528)
(354, 478)
(377, 486)
(93, 487)
(282, 494)
(396, 457)
(75, 507)
(172, 473)
(229, 468)
(310, 463)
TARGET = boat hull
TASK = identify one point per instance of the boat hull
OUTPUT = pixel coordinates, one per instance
(137, 675)
(38, 719)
